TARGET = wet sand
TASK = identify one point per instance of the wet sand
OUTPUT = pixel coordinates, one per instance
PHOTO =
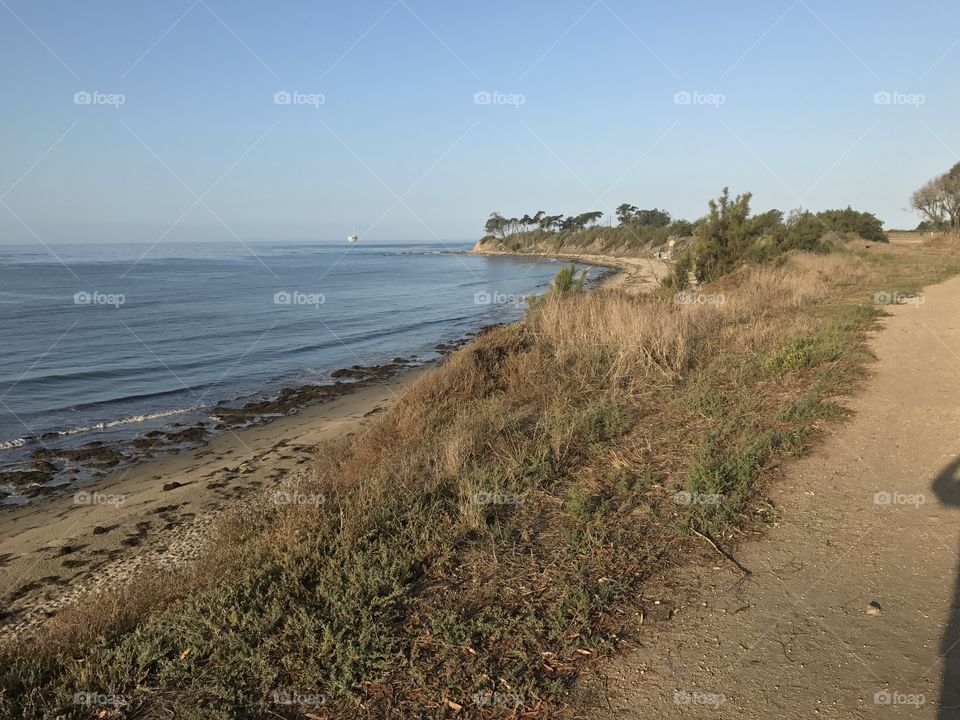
(155, 514)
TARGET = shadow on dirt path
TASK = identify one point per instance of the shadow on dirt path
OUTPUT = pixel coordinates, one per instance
(946, 486)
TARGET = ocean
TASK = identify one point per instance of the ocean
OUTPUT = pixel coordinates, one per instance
(105, 343)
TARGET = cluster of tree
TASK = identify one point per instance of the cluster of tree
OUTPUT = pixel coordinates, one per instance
(938, 201)
(502, 226)
(729, 235)
(644, 225)
(628, 214)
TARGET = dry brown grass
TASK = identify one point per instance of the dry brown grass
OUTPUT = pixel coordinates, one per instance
(639, 340)
(400, 590)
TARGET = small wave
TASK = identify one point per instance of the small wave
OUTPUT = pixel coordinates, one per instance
(10, 444)
(124, 421)
(394, 253)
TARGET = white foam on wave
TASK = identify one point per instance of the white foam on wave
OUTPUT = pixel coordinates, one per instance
(10, 444)
(106, 424)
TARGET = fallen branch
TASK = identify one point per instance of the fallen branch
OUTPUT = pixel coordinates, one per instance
(723, 552)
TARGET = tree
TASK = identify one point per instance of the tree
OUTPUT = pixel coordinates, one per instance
(625, 213)
(802, 231)
(628, 214)
(653, 218)
(866, 225)
(588, 218)
(723, 236)
(496, 225)
(938, 201)
(550, 222)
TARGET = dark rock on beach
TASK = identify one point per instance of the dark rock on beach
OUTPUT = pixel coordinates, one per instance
(20, 478)
(94, 453)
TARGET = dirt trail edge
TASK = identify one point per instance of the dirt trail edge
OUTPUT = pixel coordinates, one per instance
(872, 516)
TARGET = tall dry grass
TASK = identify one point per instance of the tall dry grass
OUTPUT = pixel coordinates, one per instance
(404, 588)
(631, 339)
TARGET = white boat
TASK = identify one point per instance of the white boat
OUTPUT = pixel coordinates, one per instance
(352, 238)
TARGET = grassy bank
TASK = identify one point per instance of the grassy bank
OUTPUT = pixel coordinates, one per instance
(496, 528)
(624, 241)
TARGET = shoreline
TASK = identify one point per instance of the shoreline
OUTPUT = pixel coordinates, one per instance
(630, 274)
(157, 513)
(157, 510)
(50, 471)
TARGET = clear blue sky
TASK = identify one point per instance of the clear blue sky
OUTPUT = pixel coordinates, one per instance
(598, 125)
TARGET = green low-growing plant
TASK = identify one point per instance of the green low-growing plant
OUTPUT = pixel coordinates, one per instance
(499, 522)
(564, 282)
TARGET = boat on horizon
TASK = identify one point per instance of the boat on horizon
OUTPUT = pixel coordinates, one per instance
(353, 237)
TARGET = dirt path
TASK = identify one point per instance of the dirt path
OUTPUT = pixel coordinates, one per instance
(797, 638)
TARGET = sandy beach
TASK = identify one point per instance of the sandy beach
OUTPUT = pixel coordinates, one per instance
(156, 513)
(633, 274)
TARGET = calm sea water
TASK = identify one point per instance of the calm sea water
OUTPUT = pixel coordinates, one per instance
(107, 343)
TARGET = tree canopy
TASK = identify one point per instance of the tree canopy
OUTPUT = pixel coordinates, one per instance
(938, 201)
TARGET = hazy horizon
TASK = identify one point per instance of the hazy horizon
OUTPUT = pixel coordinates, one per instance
(411, 121)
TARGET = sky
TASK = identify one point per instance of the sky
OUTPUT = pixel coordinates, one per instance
(413, 120)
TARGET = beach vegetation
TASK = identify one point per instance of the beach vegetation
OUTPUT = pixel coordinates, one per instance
(506, 520)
